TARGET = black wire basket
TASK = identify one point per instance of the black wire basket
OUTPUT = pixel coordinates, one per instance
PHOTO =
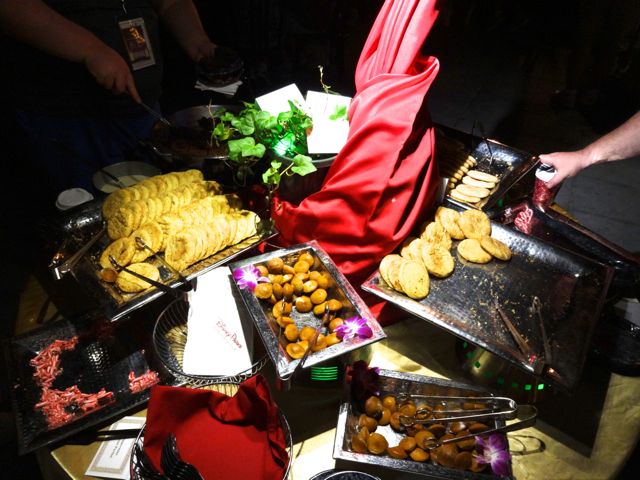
(170, 338)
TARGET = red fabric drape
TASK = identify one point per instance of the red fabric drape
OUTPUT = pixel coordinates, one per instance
(224, 437)
(383, 181)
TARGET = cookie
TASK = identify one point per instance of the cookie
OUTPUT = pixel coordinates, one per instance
(438, 261)
(475, 224)
(414, 279)
(455, 193)
(131, 284)
(435, 234)
(484, 176)
(472, 191)
(448, 218)
(477, 183)
(470, 249)
(496, 248)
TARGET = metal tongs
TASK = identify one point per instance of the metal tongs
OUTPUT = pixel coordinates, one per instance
(184, 284)
(60, 270)
(489, 408)
(158, 285)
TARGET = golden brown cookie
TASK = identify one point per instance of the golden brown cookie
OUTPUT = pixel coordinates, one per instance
(132, 284)
(475, 223)
(485, 177)
(477, 183)
(438, 261)
(458, 195)
(435, 234)
(472, 191)
(414, 279)
(471, 250)
(495, 247)
(384, 267)
(448, 218)
(122, 251)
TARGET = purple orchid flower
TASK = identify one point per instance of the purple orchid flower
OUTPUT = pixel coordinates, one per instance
(354, 327)
(493, 451)
(248, 277)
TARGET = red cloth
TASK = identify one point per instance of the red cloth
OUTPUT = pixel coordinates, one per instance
(224, 437)
(384, 181)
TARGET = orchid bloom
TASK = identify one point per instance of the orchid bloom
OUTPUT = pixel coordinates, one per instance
(363, 380)
(493, 451)
(354, 327)
(248, 277)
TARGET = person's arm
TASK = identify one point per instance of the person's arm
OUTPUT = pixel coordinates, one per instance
(38, 25)
(182, 19)
(621, 143)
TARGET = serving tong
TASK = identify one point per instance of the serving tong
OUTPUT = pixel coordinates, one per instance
(60, 270)
(494, 408)
(184, 284)
(160, 286)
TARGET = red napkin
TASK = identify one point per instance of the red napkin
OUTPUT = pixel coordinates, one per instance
(384, 181)
(223, 437)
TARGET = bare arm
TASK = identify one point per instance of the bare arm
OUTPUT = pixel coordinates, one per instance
(183, 21)
(621, 143)
(36, 24)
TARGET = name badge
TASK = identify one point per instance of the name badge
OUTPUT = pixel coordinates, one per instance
(136, 42)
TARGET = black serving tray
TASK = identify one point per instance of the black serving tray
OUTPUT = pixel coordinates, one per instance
(509, 164)
(105, 354)
(572, 289)
(77, 227)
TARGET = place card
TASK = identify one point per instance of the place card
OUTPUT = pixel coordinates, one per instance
(330, 122)
(113, 456)
(220, 338)
(278, 101)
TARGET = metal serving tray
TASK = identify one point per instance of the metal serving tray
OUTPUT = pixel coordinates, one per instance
(80, 226)
(269, 329)
(507, 163)
(105, 354)
(571, 288)
(392, 382)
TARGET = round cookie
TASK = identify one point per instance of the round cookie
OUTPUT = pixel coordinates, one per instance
(496, 248)
(438, 261)
(470, 249)
(448, 218)
(477, 183)
(472, 191)
(131, 284)
(122, 251)
(484, 176)
(435, 234)
(414, 279)
(458, 195)
(475, 224)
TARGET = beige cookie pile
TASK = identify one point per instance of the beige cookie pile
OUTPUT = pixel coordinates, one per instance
(429, 254)
(179, 214)
(473, 186)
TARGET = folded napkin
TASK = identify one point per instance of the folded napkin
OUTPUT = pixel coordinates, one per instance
(220, 339)
(223, 437)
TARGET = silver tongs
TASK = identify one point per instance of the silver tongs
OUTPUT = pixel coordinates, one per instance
(485, 408)
(184, 284)
(60, 270)
(158, 285)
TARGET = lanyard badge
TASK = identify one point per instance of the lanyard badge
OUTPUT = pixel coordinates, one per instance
(136, 42)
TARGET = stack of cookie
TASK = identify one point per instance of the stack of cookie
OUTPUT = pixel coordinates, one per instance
(473, 187)
(429, 254)
(179, 214)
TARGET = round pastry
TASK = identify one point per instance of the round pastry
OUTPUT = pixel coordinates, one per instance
(448, 218)
(472, 191)
(496, 248)
(132, 284)
(438, 261)
(475, 223)
(122, 251)
(470, 249)
(477, 183)
(435, 234)
(458, 195)
(414, 279)
(484, 176)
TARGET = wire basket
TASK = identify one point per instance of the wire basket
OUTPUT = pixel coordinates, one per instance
(138, 466)
(169, 341)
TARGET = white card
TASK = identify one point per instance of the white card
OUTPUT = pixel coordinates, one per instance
(278, 101)
(113, 456)
(330, 122)
(220, 338)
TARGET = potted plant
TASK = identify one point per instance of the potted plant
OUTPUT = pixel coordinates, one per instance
(273, 147)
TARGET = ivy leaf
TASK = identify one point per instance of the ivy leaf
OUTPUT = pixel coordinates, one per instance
(341, 112)
(245, 147)
(245, 125)
(302, 165)
(272, 175)
(221, 132)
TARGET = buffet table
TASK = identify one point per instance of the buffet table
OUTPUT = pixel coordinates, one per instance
(412, 346)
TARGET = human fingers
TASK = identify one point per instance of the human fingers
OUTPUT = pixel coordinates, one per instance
(566, 164)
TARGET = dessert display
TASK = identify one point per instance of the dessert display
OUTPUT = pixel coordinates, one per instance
(429, 254)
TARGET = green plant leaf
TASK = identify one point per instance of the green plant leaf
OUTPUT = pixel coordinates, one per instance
(243, 148)
(341, 112)
(272, 176)
(302, 165)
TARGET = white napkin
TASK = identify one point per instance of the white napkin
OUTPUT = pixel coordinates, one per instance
(227, 90)
(220, 331)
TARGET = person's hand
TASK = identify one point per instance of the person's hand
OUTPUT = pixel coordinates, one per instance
(111, 71)
(201, 49)
(567, 164)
